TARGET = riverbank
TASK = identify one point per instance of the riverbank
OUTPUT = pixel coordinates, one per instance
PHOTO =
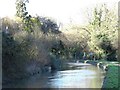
(81, 76)
(112, 73)
(111, 68)
(34, 68)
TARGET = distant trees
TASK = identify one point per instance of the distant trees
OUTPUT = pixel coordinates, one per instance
(103, 37)
(99, 36)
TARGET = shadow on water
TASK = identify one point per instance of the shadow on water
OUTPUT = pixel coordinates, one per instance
(75, 76)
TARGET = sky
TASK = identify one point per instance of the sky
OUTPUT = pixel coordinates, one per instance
(64, 11)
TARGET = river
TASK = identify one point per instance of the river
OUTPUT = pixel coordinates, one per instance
(78, 75)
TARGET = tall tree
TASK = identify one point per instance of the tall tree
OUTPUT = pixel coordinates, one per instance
(48, 25)
(23, 14)
(103, 29)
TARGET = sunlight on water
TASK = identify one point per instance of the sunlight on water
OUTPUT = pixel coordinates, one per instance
(86, 76)
(83, 78)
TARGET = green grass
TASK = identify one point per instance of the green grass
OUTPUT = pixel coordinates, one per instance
(112, 77)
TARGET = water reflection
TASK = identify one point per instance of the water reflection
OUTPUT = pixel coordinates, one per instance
(85, 76)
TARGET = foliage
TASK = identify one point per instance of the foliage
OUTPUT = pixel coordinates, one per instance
(103, 34)
(48, 45)
(22, 49)
(23, 14)
(48, 25)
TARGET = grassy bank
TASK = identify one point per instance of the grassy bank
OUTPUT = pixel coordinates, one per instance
(111, 80)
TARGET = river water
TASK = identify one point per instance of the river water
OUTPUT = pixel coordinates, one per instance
(76, 76)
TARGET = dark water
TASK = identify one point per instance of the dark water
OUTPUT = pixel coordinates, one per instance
(81, 76)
